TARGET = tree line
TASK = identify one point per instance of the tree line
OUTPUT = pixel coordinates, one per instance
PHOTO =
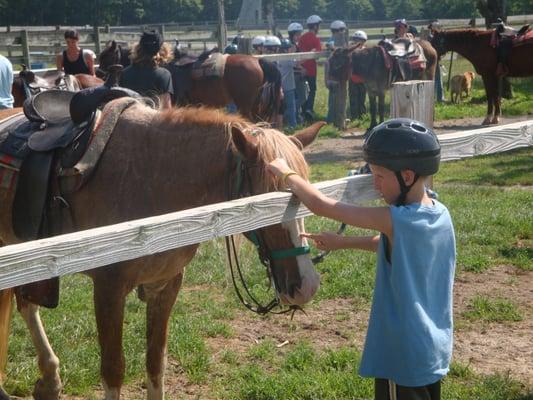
(124, 12)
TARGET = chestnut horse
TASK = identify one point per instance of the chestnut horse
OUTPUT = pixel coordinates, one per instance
(251, 83)
(474, 45)
(158, 162)
(20, 86)
(370, 64)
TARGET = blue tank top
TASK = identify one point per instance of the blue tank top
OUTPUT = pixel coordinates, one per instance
(410, 331)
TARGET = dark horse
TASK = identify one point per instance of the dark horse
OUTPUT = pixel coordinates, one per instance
(474, 45)
(252, 84)
(27, 83)
(158, 162)
(371, 65)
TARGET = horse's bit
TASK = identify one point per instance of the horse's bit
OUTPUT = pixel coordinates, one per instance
(266, 256)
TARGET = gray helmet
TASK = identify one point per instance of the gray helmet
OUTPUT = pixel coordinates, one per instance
(403, 143)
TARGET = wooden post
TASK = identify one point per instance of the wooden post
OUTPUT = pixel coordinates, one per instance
(6, 305)
(96, 35)
(222, 33)
(413, 99)
(416, 100)
(245, 45)
(25, 47)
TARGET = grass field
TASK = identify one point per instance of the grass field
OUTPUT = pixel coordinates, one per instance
(490, 201)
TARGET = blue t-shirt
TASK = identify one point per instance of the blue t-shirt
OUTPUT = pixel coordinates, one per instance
(410, 331)
(6, 81)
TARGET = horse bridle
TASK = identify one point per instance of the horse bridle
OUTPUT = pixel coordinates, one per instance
(266, 256)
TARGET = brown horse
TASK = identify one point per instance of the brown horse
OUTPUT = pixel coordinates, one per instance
(252, 84)
(157, 162)
(27, 82)
(371, 65)
(474, 45)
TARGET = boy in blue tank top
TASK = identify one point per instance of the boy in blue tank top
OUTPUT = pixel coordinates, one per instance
(408, 345)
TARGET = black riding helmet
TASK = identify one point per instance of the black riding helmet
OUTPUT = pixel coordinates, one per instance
(403, 143)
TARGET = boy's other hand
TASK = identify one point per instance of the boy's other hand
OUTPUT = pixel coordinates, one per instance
(278, 167)
(325, 240)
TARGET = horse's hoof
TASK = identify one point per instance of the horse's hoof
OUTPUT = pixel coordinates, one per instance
(486, 121)
(495, 121)
(47, 390)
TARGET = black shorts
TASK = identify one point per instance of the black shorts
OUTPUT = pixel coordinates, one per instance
(388, 390)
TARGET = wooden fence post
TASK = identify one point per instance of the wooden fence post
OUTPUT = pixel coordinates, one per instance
(222, 33)
(414, 99)
(96, 35)
(25, 47)
(245, 45)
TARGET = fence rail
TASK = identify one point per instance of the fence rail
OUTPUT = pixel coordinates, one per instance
(24, 44)
(41, 259)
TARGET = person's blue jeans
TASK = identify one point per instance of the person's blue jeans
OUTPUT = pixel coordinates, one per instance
(290, 108)
(439, 89)
(310, 102)
(331, 104)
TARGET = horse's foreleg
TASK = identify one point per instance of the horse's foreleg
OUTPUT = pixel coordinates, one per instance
(381, 99)
(48, 387)
(159, 305)
(6, 305)
(491, 90)
(373, 111)
(109, 303)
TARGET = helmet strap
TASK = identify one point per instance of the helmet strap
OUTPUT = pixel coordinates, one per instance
(404, 189)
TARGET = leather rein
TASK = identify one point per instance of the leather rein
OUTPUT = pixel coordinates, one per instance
(235, 190)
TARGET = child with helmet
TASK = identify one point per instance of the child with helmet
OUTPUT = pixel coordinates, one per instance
(336, 90)
(288, 84)
(408, 344)
(356, 85)
(257, 44)
(310, 42)
(401, 29)
(294, 31)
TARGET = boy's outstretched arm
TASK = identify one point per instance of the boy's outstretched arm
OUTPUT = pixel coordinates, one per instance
(328, 241)
(376, 218)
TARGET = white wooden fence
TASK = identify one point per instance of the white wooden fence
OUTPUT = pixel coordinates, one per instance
(80, 251)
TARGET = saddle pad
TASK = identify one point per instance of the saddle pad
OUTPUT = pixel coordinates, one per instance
(72, 179)
(212, 67)
(14, 134)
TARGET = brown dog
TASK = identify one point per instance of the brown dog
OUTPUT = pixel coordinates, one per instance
(460, 84)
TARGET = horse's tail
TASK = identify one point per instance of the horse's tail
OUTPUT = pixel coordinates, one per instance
(269, 99)
(6, 304)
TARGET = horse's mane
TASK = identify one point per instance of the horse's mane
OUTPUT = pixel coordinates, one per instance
(271, 142)
(461, 35)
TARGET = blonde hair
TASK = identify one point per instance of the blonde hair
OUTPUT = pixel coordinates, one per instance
(163, 56)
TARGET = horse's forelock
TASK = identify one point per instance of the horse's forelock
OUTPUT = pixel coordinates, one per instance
(274, 144)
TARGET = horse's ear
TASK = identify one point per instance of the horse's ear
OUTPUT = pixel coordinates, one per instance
(306, 136)
(113, 44)
(245, 143)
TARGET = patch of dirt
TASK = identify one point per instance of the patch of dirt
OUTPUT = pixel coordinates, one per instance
(496, 347)
(348, 148)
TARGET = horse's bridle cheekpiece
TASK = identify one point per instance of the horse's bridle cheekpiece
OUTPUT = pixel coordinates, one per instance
(267, 257)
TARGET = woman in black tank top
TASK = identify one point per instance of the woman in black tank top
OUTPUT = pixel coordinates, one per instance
(83, 64)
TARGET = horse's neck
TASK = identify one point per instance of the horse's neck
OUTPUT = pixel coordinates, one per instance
(469, 46)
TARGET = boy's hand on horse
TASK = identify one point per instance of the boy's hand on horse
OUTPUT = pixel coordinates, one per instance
(326, 241)
(278, 167)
